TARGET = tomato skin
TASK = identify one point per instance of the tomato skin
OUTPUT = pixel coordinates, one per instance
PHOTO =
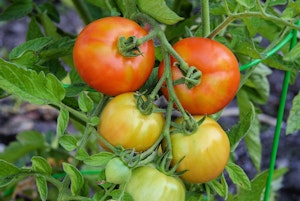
(99, 63)
(206, 151)
(220, 75)
(117, 172)
(149, 184)
(121, 123)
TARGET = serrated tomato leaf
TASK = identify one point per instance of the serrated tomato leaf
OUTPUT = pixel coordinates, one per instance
(29, 85)
(159, 10)
(77, 180)
(293, 122)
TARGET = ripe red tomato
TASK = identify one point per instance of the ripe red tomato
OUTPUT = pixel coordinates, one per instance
(121, 123)
(220, 75)
(205, 152)
(99, 63)
(149, 184)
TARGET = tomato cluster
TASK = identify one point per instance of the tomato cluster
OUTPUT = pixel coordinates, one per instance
(200, 155)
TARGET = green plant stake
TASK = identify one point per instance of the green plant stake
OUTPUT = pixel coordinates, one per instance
(280, 114)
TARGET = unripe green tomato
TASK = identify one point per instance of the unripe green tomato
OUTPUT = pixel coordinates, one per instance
(149, 184)
(117, 172)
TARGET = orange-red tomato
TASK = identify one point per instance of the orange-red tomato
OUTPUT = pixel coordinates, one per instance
(100, 64)
(121, 123)
(205, 152)
(220, 75)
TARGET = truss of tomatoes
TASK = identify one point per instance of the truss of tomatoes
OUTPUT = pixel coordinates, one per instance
(104, 68)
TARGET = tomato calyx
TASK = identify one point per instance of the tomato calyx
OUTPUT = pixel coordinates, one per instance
(163, 165)
(191, 78)
(133, 159)
(129, 47)
(188, 126)
(146, 107)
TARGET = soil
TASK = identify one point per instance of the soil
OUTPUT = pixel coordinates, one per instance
(16, 116)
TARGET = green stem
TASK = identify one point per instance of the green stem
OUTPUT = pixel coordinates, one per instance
(168, 47)
(144, 39)
(172, 95)
(205, 17)
(166, 133)
(157, 87)
(87, 132)
(159, 33)
(104, 141)
(74, 112)
(83, 11)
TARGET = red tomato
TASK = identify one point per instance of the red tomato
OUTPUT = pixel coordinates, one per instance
(121, 123)
(205, 152)
(99, 63)
(220, 75)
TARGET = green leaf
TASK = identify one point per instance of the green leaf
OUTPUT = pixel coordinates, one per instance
(98, 159)
(253, 143)
(28, 60)
(257, 186)
(34, 45)
(159, 10)
(77, 180)
(62, 122)
(31, 86)
(16, 150)
(246, 3)
(39, 164)
(293, 121)
(42, 187)
(151, 82)
(240, 130)
(49, 27)
(7, 173)
(27, 141)
(267, 29)
(75, 88)
(31, 138)
(119, 194)
(7, 169)
(291, 10)
(257, 85)
(34, 30)
(81, 154)
(51, 11)
(238, 176)
(85, 103)
(252, 139)
(277, 2)
(293, 54)
(94, 121)
(58, 48)
(18, 9)
(68, 142)
(221, 187)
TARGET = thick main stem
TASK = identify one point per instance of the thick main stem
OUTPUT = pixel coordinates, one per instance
(205, 17)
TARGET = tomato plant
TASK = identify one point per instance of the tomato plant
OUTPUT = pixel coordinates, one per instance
(103, 84)
(99, 59)
(205, 152)
(148, 183)
(121, 123)
(220, 75)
